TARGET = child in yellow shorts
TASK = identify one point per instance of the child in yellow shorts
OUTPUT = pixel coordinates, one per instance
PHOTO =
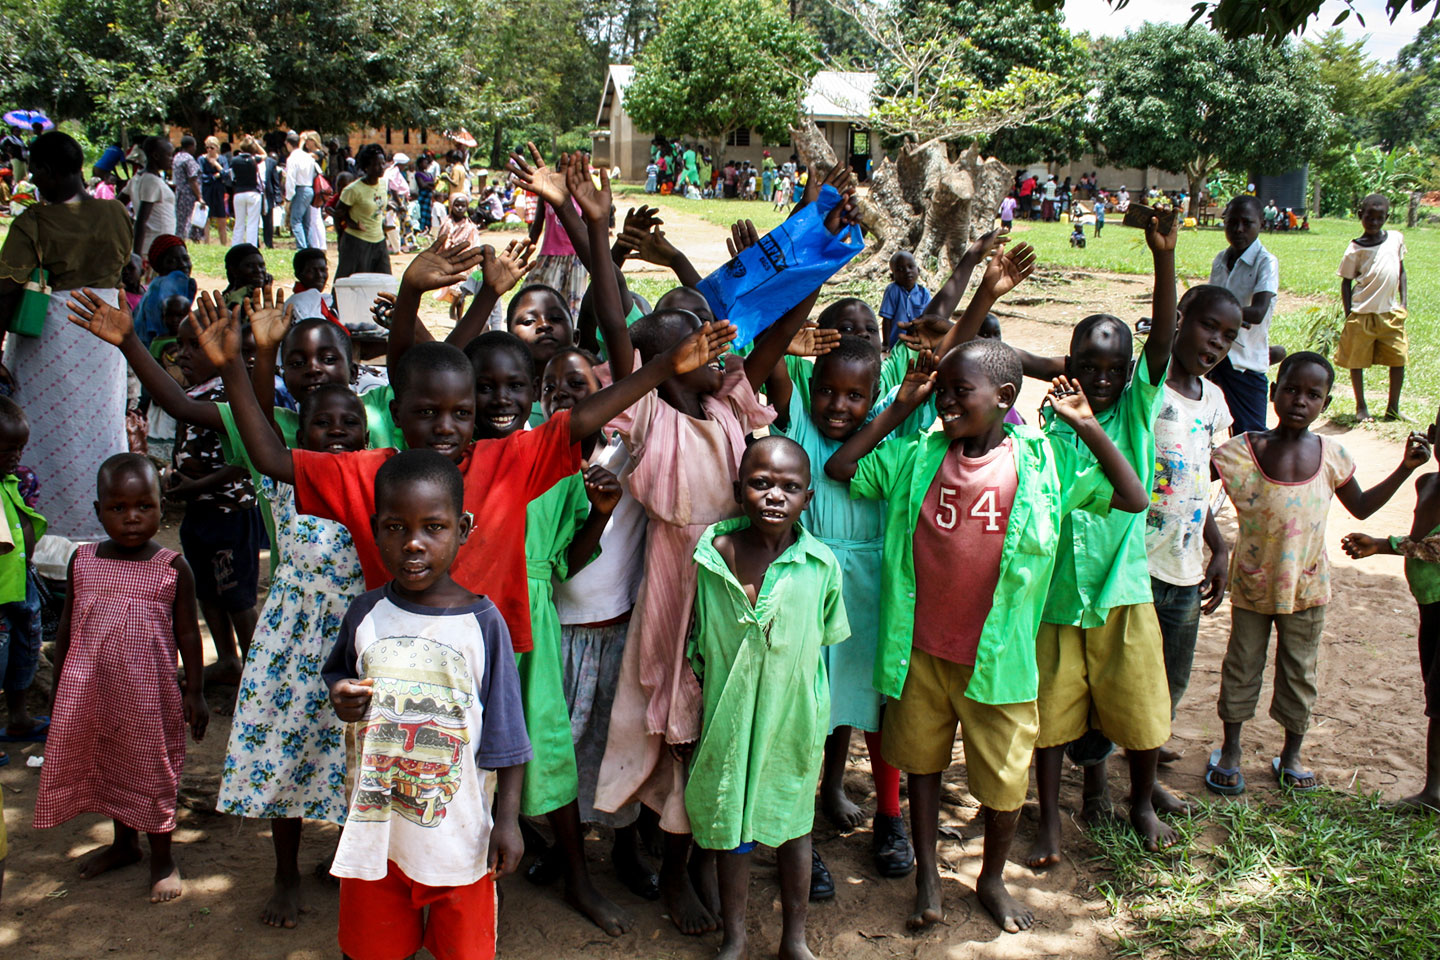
(1372, 288)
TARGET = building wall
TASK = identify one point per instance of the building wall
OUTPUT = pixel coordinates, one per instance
(1111, 178)
(394, 140)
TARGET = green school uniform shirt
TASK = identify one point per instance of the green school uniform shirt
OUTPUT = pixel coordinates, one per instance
(13, 562)
(1102, 563)
(1053, 481)
(765, 691)
(551, 522)
(802, 368)
(377, 417)
(1422, 572)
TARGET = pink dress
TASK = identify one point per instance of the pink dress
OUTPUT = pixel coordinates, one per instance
(117, 740)
(683, 472)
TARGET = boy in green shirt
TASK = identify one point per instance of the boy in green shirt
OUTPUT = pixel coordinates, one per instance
(1099, 649)
(980, 488)
(767, 598)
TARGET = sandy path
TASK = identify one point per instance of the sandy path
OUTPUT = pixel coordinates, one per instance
(1367, 736)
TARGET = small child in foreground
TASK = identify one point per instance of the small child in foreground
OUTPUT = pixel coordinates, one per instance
(129, 605)
(1281, 481)
(767, 599)
(424, 667)
(1421, 550)
(1372, 289)
(946, 653)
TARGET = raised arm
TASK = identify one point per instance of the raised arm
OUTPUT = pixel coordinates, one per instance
(551, 187)
(701, 347)
(1361, 502)
(439, 266)
(916, 388)
(1007, 270)
(114, 325)
(595, 205)
(947, 298)
(1162, 303)
(1070, 405)
(220, 339)
(269, 322)
(652, 246)
(501, 272)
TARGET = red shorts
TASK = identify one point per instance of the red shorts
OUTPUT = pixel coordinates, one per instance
(385, 919)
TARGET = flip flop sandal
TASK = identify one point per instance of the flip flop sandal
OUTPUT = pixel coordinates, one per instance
(36, 734)
(1224, 789)
(1288, 777)
(4, 759)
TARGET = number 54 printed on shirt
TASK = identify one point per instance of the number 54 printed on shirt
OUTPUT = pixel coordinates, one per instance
(985, 508)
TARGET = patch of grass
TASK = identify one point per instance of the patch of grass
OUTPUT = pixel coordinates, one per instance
(1308, 261)
(1316, 877)
(722, 213)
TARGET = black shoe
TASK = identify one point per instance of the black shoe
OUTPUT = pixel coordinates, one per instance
(894, 856)
(822, 887)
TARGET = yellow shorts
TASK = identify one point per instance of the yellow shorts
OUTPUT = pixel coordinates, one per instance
(918, 734)
(1110, 678)
(1373, 340)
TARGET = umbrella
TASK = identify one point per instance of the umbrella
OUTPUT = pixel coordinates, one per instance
(27, 119)
(462, 137)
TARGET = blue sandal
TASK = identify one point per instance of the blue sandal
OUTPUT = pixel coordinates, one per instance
(1288, 777)
(1224, 789)
(39, 729)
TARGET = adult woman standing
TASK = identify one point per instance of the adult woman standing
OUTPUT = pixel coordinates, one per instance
(212, 186)
(362, 207)
(245, 167)
(185, 172)
(315, 220)
(151, 196)
(458, 176)
(65, 373)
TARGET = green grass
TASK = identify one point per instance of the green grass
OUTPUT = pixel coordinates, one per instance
(1324, 876)
(722, 213)
(1308, 261)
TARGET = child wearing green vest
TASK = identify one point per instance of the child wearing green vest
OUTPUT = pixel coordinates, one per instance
(987, 497)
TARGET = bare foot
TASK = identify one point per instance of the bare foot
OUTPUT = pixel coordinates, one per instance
(732, 948)
(283, 907)
(677, 896)
(637, 875)
(323, 874)
(1167, 803)
(1095, 811)
(167, 887)
(798, 950)
(1168, 756)
(705, 880)
(1154, 832)
(1012, 915)
(1420, 804)
(584, 897)
(840, 809)
(1362, 415)
(928, 911)
(223, 673)
(1045, 851)
(109, 858)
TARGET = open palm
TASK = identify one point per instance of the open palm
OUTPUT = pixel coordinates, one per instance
(546, 183)
(441, 265)
(219, 333)
(265, 309)
(702, 346)
(1007, 270)
(594, 202)
(502, 271)
(111, 324)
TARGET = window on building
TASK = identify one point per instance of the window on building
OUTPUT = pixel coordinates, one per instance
(424, 135)
(407, 135)
(387, 134)
(738, 138)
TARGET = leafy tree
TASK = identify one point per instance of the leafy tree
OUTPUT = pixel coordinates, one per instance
(1412, 113)
(1185, 100)
(718, 66)
(1271, 20)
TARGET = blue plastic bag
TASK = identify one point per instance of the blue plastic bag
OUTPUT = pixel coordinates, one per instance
(760, 286)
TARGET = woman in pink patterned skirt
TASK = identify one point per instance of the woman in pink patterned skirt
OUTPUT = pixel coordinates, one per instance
(117, 737)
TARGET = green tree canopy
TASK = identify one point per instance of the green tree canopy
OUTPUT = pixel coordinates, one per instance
(718, 66)
(1185, 100)
(1271, 20)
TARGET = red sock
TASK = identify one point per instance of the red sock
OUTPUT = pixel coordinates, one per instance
(887, 779)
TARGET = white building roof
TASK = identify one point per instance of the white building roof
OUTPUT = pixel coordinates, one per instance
(833, 95)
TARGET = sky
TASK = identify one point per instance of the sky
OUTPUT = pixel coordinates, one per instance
(1383, 39)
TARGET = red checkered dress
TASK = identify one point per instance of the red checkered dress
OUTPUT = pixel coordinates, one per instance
(117, 740)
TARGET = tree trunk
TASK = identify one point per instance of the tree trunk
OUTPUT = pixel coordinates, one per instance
(919, 200)
(1412, 213)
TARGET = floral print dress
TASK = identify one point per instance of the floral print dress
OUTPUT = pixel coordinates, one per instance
(286, 755)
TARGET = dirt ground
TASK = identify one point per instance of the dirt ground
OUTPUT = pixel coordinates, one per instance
(1367, 737)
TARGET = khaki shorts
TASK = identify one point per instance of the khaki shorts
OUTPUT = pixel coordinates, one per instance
(1109, 678)
(918, 734)
(1373, 340)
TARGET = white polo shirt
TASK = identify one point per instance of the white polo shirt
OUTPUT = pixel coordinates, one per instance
(1256, 271)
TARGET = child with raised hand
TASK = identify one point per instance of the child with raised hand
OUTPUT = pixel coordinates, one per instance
(1281, 481)
(117, 737)
(767, 601)
(1421, 550)
(1372, 290)
(423, 667)
(286, 755)
(685, 441)
(1099, 648)
(1193, 421)
(955, 499)
(435, 407)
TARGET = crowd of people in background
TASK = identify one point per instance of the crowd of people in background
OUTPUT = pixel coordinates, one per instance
(689, 170)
